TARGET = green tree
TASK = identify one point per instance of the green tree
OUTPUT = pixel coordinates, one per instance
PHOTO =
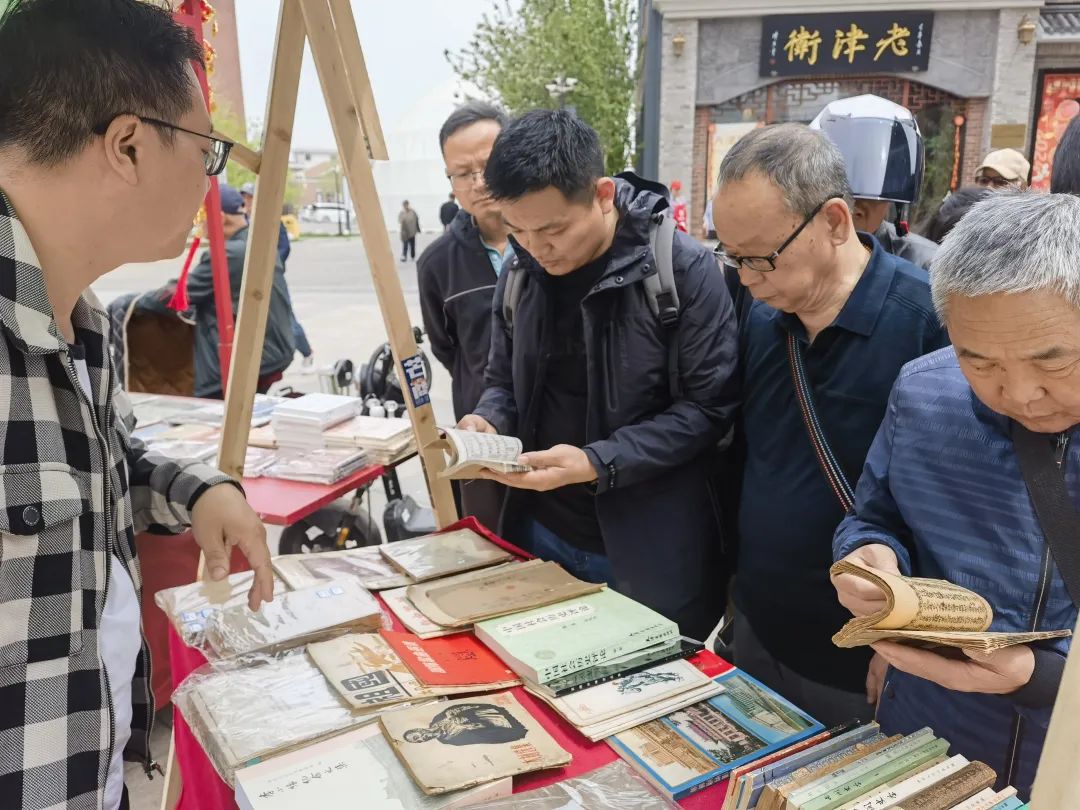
(516, 52)
(232, 126)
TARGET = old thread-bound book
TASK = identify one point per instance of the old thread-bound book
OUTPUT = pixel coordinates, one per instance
(700, 745)
(740, 779)
(550, 642)
(463, 600)
(470, 453)
(461, 743)
(927, 611)
(294, 618)
(457, 660)
(357, 770)
(366, 565)
(367, 673)
(953, 789)
(439, 555)
(618, 705)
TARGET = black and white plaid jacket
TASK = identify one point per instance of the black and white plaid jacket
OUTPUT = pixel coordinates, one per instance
(74, 488)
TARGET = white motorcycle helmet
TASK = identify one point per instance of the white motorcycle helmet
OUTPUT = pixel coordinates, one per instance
(881, 145)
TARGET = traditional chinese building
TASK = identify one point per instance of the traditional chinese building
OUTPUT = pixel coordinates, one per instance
(978, 74)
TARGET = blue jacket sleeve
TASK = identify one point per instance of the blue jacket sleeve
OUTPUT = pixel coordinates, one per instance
(876, 517)
(497, 404)
(707, 336)
(284, 247)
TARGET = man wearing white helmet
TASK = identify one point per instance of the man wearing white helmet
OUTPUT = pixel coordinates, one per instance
(883, 151)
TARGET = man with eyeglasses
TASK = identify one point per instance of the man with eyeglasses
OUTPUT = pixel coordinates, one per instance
(1003, 168)
(457, 275)
(105, 148)
(832, 319)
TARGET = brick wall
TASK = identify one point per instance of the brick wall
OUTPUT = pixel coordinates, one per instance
(678, 89)
(701, 181)
(976, 137)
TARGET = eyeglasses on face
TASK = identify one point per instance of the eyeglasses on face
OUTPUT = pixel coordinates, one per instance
(465, 179)
(986, 181)
(765, 264)
(214, 159)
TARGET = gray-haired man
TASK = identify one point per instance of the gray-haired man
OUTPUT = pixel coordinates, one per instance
(833, 306)
(943, 494)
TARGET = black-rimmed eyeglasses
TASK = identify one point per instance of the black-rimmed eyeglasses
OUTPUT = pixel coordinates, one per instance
(214, 159)
(764, 264)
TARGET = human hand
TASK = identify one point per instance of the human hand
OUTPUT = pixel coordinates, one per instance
(995, 673)
(222, 519)
(476, 423)
(859, 596)
(560, 466)
(875, 679)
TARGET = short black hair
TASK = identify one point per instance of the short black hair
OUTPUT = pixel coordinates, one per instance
(68, 66)
(469, 113)
(1065, 175)
(952, 210)
(544, 148)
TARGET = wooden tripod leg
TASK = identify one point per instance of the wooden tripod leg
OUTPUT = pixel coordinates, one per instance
(258, 279)
(326, 43)
(257, 287)
(357, 74)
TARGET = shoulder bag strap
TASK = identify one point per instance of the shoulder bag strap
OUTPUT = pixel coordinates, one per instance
(829, 465)
(1058, 518)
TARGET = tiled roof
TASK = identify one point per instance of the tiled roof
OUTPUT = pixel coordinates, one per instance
(1059, 23)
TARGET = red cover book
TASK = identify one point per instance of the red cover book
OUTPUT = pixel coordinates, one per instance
(456, 660)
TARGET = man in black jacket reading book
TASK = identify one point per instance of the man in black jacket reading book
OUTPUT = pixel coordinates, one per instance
(621, 489)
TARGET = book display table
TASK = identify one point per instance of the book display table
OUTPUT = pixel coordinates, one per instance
(204, 790)
(170, 561)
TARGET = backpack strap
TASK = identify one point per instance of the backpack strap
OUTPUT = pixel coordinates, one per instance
(515, 278)
(662, 295)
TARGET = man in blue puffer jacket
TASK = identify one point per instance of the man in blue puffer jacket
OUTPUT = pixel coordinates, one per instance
(943, 496)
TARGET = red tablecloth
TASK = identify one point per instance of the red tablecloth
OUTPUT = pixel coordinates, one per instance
(204, 790)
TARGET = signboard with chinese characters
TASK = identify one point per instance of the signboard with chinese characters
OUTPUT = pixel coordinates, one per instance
(856, 42)
(1059, 103)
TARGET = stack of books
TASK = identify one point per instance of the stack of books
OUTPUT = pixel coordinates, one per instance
(774, 757)
(316, 466)
(301, 423)
(385, 440)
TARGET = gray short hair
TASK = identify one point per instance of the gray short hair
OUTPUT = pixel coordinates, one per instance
(803, 163)
(1011, 242)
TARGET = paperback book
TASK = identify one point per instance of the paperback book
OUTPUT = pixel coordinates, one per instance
(700, 745)
(554, 641)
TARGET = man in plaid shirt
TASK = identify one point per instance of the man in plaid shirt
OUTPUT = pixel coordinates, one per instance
(105, 149)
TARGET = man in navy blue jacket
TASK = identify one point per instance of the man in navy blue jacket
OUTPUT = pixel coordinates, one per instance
(942, 494)
(854, 315)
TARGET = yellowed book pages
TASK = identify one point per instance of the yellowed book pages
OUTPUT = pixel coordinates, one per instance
(929, 612)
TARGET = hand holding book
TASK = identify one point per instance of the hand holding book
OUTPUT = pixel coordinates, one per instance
(560, 466)
(926, 612)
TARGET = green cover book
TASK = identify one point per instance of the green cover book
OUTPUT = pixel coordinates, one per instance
(822, 785)
(554, 641)
(892, 769)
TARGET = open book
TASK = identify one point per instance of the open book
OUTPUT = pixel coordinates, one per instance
(470, 452)
(927, 612)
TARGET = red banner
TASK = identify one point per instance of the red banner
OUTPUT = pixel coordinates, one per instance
(1060, 104)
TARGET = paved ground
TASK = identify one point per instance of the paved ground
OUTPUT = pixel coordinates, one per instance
(334, 297)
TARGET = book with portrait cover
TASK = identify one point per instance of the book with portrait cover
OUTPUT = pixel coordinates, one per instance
(461, 743)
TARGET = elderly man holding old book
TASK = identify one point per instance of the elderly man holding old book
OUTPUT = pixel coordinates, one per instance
(974, 478)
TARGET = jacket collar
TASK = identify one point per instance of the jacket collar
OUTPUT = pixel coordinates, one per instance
(25, 312)
(863, 307)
